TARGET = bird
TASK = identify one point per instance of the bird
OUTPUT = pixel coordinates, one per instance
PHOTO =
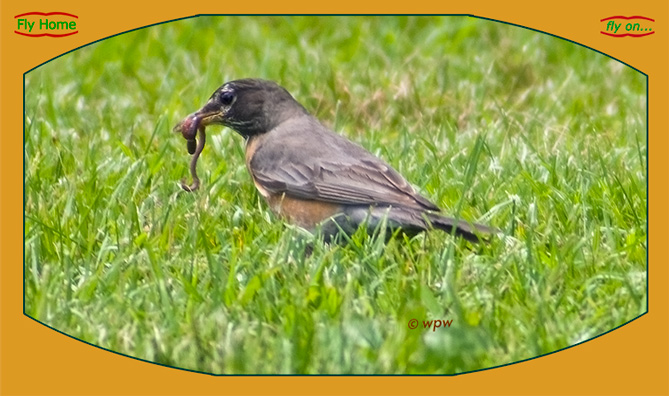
(311, 176)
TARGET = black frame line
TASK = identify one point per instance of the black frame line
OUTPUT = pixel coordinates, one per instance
(345, 375)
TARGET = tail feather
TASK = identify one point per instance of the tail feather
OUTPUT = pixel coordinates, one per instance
(412, 221)
(472, 232)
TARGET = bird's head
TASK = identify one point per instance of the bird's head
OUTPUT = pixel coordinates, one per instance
(248, 106)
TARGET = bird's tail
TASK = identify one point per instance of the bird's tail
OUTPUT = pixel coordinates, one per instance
(413, 221)
(470, 231)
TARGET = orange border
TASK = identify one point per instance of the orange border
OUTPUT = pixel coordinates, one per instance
(631, 360)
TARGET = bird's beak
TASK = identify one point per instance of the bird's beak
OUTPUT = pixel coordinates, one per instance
(207, 115)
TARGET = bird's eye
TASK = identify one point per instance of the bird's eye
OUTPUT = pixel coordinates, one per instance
(227, 98)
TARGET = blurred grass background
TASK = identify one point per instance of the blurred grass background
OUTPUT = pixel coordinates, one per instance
(532, 134)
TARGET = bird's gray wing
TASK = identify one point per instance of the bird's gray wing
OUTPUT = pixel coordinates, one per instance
(332, 169)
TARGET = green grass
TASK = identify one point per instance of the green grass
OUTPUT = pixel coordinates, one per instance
(537, 136)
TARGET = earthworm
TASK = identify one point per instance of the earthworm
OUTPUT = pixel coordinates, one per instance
(196, 154)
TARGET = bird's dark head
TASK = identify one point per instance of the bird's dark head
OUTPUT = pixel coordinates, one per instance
(249, 106)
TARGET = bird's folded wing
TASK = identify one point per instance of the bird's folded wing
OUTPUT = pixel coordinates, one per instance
(351, 182)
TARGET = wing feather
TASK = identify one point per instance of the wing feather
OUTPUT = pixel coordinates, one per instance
(336, 170)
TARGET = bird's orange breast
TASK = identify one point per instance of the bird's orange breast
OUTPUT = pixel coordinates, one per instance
(305, 213)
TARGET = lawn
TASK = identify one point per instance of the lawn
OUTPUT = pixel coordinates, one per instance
(529, 133)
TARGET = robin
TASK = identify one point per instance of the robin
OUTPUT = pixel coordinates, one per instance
(311, 176)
